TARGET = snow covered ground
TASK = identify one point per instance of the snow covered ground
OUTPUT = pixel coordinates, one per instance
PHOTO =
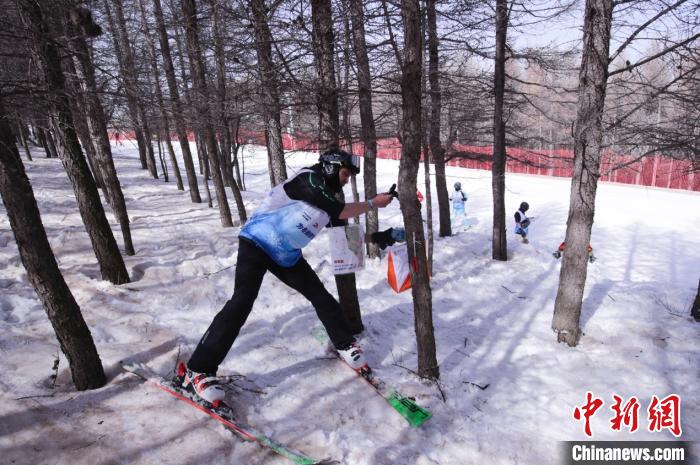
(492, 324)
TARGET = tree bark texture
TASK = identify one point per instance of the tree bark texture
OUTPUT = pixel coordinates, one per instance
(428, 198)
(426, 164)
(83, 133)
(436, 149)
(324, 56)
(97, 126)
(269, 89)
(125, 57)
(105, 247)
(368, 131)
(23, 138)
(51, 150)
(165, 126)
(176, 104)
(408, 174)
(201, 101)
(329, 130)
(42, 270)
(695, 310)
(588, 136)
(222, 94)
(344, 64)
(498, 168)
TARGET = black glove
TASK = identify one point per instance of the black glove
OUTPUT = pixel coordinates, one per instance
(383, 238)
(389, 237)
(393, 192)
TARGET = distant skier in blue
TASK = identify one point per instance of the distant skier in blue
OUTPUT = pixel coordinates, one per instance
(459, 198)
(522, 222)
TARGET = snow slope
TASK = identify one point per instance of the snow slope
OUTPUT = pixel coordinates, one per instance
(492, 323)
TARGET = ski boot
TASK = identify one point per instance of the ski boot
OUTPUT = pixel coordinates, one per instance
(352, 355)
(204, 386)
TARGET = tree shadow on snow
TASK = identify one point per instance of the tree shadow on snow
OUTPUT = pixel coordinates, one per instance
(594, 300)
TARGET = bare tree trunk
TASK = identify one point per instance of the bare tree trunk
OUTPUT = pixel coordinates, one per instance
(163, 165)
(175, 100)
(235, 147)
(41, 135)
(204, 166)
(131, 100)
(324, 55)
(188, 91)
(695, 310)
(42, 270)
(51, 150)
(83, 133)
(499, 246)
(436, 149)
(222, 118)
(368, 133)
(408, 173)
(204, 115)
(329, 128)
(23, 140)
(97, 124)
(153, 59)
(425, 122)
(93, 215)
(588, 136)
(270, 91)
(125, 57)
(201, 154)
(344, 81)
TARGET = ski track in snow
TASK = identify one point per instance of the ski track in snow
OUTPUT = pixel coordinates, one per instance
(492, 323)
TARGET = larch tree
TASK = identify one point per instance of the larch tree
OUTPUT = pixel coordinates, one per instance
(201, 101)
(411, 136)
(160, 101)
(221, 109)
(43, 45)
(42, 270)
(180, 128)
(695, 309)
(127, 69)
(437, 152)
(588, 137)
(498, 166)
(329, 131)
(79, 26)
(368, 132)
(588, 147)
(269, 88)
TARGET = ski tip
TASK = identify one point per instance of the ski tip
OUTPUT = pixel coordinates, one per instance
(326, 461)
(137, 368)
(412, 412)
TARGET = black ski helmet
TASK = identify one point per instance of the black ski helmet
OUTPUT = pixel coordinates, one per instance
(524, 206)
(332, 160)
(458, 186)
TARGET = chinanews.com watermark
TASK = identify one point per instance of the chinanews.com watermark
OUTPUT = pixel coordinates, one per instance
(661, 415)
(626, 453)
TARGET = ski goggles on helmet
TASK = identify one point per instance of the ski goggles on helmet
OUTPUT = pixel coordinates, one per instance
(342, 158)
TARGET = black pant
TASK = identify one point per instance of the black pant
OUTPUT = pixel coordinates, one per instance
(251, 266)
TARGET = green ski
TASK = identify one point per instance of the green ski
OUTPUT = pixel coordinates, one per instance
(407, 408)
